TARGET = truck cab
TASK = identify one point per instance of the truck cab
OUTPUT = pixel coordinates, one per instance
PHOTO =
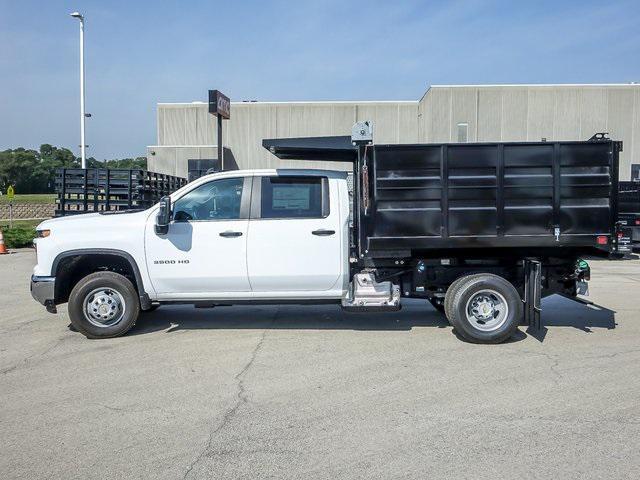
(280, 234)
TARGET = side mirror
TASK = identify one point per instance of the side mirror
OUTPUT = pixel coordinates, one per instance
(164, 216)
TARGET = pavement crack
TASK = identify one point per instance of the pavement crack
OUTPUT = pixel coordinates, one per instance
(128, 409)
(555, 363)
(241, 399)
(19, 326)
(27, 360)
(614, 354)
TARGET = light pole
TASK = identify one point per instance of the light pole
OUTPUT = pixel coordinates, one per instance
(82, 113)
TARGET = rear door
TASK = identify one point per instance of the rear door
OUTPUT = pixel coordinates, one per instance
(294, 241)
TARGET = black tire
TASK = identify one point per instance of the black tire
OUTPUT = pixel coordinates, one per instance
(112, 295)
(451, 292)
(491, 290)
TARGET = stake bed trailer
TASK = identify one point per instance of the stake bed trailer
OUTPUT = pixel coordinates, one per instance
(83, 190)
(482, 231)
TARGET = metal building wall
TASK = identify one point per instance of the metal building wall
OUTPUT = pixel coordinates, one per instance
(183, 130)
(492, 113)
(533, 112)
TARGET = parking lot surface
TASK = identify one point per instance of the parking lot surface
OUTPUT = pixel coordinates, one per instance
(316, 393)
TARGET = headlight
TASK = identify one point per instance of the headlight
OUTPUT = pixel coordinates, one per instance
(42, 233)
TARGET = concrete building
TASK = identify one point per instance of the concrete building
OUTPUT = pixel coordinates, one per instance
(446, 113)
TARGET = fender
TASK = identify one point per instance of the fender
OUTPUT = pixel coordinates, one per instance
(145, 301)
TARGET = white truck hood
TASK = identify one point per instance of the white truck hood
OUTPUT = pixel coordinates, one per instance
(93, 231)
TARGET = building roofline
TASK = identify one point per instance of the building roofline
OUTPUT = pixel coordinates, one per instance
(182, 146)
(530, 85)
(305, 102)
(414, 102)
(498, 85)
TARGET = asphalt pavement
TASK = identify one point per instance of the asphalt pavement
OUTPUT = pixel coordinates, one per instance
(315, 393)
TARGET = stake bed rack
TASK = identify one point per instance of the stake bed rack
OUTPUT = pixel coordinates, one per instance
(99, 189)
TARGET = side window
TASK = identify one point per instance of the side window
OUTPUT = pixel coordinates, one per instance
(216, 200)
(294, 197)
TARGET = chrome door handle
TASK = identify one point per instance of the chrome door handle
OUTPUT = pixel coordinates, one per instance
(323, 233)
(230, 234)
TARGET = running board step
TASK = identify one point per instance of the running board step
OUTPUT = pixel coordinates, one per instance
(367, 295)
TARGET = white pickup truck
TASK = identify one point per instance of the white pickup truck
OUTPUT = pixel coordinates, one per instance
(241, 236)
(482, 231)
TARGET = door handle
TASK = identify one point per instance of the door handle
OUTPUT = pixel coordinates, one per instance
(230, 234)
(323, 233)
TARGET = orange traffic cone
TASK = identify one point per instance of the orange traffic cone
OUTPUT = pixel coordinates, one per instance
(3, 248)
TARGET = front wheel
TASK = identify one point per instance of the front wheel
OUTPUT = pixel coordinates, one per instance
(103, 305)
(485, 308)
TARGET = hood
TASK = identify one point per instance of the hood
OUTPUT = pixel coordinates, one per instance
(57, 221)
(91, 220)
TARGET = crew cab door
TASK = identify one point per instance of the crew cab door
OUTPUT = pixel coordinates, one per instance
(205, 250)
(294, 241)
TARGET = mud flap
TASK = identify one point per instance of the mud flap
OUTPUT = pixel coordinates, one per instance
(532, 293)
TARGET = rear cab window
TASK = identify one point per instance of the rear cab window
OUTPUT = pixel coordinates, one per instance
(294, 197)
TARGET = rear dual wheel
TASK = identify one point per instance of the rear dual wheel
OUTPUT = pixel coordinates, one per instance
(483, 308)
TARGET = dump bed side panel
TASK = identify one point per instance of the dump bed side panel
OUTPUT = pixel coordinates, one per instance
(492, 194)
(408, 194)
(585, 188)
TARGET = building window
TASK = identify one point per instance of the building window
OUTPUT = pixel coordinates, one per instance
(463, 132)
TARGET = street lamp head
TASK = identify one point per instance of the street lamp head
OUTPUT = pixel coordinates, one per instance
(77, 15)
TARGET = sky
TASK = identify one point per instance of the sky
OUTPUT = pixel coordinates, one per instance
(142, 52)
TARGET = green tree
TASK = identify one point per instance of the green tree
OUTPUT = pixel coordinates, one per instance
(128, 163)
(52, 158)
(33, 171)
(19, 167)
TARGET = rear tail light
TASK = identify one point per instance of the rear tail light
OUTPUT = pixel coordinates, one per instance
(637, 222)
(602, 240)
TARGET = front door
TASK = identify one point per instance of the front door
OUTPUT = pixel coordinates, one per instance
(294, 235)
(205, 250)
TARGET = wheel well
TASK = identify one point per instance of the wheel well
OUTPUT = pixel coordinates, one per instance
(70, 270)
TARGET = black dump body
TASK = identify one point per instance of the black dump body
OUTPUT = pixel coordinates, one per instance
(629, 203)
(514, 195)
(629, 208)
(525, 196)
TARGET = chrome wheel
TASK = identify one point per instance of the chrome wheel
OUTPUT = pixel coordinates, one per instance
(487, 310)
(104, 307)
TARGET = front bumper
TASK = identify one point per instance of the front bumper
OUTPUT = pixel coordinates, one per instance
(43, 290)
